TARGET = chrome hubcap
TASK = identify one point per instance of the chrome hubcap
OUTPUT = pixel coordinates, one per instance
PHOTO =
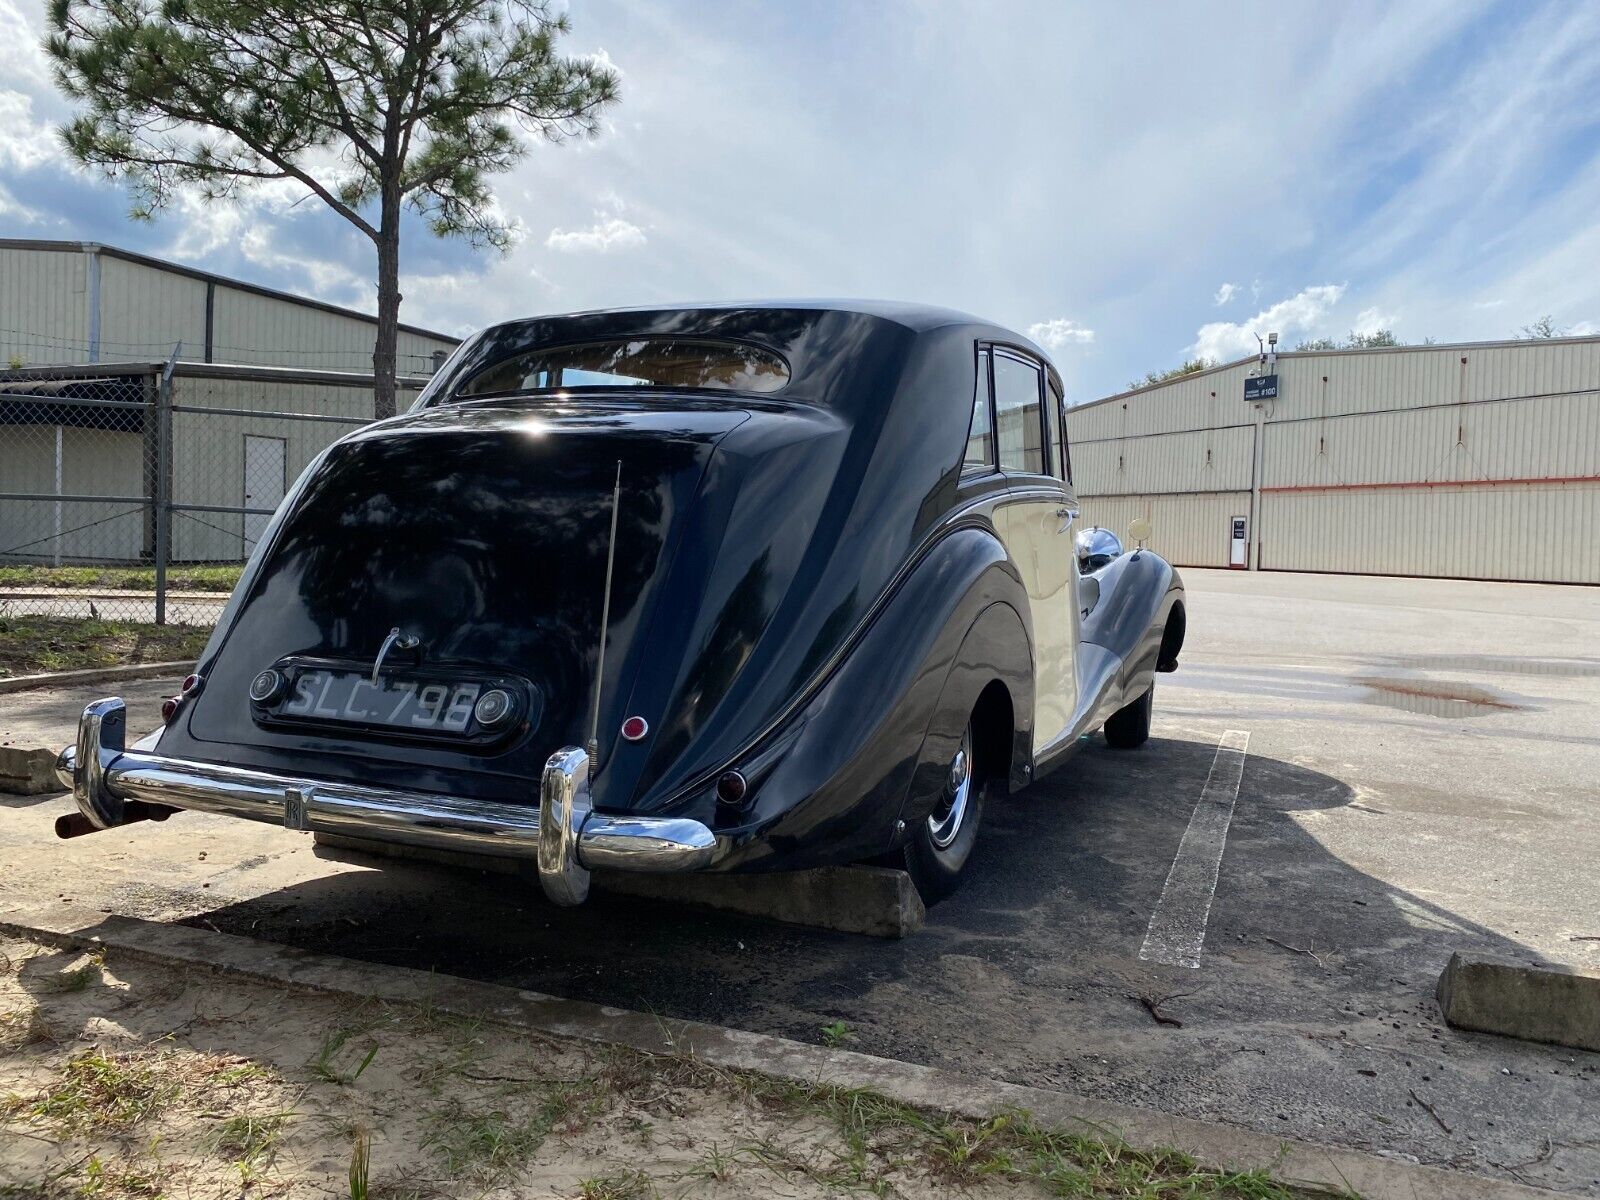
(946, 819)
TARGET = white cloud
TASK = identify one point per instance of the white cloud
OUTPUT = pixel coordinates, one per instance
(1584, 329)
(25, 142)
(14, 210)
(1304, 311)
(1225, 293)
(611, 233)
(1058, 333)
(1370, 320)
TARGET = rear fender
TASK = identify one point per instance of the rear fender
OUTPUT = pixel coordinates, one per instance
(829, 786)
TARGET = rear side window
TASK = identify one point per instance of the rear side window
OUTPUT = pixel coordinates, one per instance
(1056, 422)
(1018, 401)
(980, 434)
(633, 362)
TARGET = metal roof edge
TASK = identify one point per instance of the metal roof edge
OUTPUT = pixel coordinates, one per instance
(147, 260)
(1423, 347)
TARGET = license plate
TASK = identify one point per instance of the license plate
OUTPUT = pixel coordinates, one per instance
(426, 706)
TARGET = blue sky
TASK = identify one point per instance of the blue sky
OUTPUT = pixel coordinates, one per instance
(1132, 184)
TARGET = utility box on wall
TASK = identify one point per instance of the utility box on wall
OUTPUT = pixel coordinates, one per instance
(1239, 543)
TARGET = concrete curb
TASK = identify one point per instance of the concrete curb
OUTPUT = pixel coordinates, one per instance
(22, 683)
(1539, 1004)
(1301, 1163)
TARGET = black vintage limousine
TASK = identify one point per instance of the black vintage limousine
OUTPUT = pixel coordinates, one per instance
(727, 588)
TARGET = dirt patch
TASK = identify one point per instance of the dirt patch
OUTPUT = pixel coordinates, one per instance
(123, 1078)
(31, 645)
(132, 579)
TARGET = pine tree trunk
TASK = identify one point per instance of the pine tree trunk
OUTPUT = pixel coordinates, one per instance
(383, 350)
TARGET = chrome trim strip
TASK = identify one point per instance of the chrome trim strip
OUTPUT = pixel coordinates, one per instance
(104, 776)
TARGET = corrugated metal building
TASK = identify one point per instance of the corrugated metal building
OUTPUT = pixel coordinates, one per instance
(91, 455)
(80, 302)
(99, 436)
(1479, 460)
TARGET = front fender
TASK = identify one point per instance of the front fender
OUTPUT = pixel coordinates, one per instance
(829, 786)
(1141, 602)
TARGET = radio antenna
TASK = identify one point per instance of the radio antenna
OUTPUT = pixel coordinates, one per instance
(605, 622)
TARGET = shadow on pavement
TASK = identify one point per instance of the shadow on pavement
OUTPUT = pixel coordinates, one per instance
(1312, 1013)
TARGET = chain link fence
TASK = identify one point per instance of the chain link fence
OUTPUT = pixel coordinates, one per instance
(136, 491)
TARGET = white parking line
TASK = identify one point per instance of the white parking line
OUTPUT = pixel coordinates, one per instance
(1178, 926)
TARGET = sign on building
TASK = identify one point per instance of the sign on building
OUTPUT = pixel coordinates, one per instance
(1261, 387)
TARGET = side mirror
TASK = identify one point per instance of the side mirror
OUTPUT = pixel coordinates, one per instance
(1139, 530)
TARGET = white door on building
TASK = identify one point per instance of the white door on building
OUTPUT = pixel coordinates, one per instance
(265, 468)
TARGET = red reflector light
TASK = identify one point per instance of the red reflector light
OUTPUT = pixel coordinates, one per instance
(731, 787)
(635, 728)
(190, 682)
(169, 706)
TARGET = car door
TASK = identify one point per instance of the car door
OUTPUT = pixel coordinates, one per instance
(1035, 520)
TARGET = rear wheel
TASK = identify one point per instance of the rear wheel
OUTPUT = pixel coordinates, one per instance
(940, 846)
(1129, 728)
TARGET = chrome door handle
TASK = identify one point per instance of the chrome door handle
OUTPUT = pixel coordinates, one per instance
(1068, 515)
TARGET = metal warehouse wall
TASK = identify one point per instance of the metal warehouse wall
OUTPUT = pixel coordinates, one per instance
(43, 317)
(214, 409)
(1478, 461)
(71, 302)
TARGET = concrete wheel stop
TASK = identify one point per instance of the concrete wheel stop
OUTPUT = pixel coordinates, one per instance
(874, 901)
(1537, 1003)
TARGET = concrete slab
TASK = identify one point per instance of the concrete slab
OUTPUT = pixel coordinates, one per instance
(26, 772)
(1544, 1003)
(873, 901)
(1304, 1164)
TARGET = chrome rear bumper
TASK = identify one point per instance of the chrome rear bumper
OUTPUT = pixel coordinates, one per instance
(564, 835)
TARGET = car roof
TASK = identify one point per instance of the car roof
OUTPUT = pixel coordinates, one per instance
(919, 317)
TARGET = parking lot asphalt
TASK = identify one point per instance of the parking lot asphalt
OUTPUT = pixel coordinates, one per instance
(1420, 778)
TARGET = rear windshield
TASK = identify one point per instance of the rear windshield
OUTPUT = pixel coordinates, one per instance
(633, 362)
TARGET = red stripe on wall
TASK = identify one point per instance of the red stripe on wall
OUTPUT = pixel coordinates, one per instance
(1445, 483)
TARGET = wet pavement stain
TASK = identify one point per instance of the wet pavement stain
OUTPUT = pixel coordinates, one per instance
(1435, 698)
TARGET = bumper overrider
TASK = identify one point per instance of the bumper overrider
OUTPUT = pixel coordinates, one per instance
(564, 835)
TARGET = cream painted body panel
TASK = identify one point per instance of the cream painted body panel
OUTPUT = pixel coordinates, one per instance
(1040, 542)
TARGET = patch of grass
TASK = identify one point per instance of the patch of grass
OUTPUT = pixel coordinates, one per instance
(244, 1072)
(30, 645)
(837, 1033)
(118, 579)
(325, 1064)
(619, 1185)
(78, 978)
(99, 1091)
(483, 1142)
(23, 1027)
(250, 1140)
(880, 1136)
(101, 1178)
(360, 1165)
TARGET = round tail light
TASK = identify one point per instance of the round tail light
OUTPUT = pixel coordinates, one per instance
(190, 682)
(169, 708)
(634, 728)
(731, 788)
(267, 686)
(494, 708)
